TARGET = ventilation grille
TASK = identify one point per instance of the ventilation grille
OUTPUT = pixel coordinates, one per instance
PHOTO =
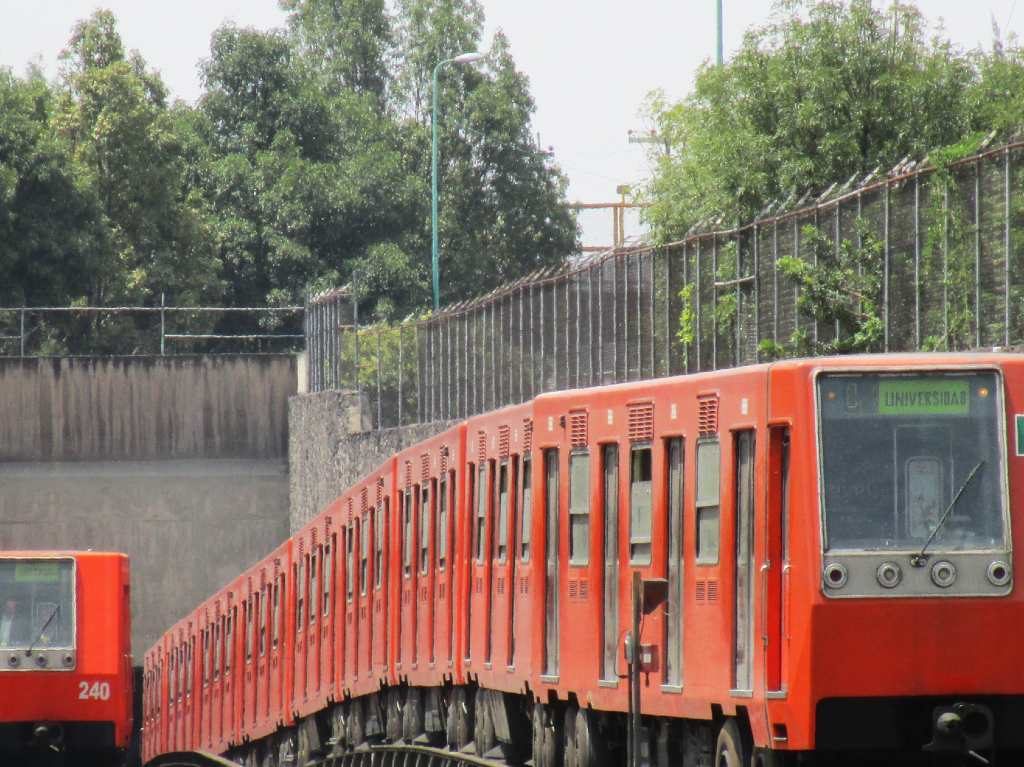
(707, 591)
(444, 460)
(408, 473)
(527, 435)
(504, 433)
(481, 446)
(641, 422)
(424, 467)
(578, 429)
(707, 415)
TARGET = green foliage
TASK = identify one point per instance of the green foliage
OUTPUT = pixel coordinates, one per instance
(826, 90)
(836, 288)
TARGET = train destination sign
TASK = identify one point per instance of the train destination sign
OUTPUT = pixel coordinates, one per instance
(923, 396)
(36, 572)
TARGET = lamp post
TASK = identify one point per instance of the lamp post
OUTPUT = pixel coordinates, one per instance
(464, 58)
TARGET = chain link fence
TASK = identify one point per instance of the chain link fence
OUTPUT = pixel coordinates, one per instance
(952, 257)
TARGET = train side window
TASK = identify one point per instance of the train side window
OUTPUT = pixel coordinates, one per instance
(349, 568)
(190, 664)
(276, 630)
(329, 572)
(206, 656)
(364, 553)
(407, 532)
(480, 521)
(579, 508)
(300, 592)
(785, 496)
(229, 635)
(314, 584)
(173, 674)
(262, 607)
(640, 505)
(526, 511)
(424, 528)
(442, 521)
(216, 650)
(383, 515)
(501, 524)
(709, 468)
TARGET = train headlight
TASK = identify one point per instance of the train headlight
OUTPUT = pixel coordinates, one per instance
(835, 575)
(998, 573)
(943, 574)
(13, 661)
(41, 661)
(889, 575)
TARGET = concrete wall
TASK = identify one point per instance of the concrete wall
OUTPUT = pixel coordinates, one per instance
(330, 447)
(178, 461)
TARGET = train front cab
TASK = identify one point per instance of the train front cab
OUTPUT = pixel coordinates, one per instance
(898, 603)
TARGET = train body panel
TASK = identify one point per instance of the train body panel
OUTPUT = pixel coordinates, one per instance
(827, 541)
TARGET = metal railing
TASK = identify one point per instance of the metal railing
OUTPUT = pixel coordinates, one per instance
(952, 255)
(29, 331)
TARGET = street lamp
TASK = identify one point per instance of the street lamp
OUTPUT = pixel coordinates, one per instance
(464, 58)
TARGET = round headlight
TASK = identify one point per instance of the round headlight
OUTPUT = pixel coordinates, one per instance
(943, 574)
(889, 575)
(41, 661)
(998, 573)
(835, 575)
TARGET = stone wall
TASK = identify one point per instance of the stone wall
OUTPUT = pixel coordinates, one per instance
(331, 447)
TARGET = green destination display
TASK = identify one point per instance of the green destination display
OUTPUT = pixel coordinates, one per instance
(37, 572)
(923, 396)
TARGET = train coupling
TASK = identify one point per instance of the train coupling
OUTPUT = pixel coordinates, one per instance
(48, 736)
(963, 728)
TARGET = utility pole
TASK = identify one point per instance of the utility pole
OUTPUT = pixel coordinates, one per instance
(719, 57)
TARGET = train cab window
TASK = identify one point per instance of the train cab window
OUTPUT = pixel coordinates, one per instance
(261, 608)
(314, 585)
(526, 511)
(480, 520)
(407, 532)
(709, 467)
(349, 569)
(364, 554)
(640, 505)
(442, 522)
(42, 593)
(378, 541)
(329, 573)
(579, 508)
(424, 528)
(501, 524)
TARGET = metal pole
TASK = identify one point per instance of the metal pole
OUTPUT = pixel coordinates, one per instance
(600, 325)
(21, 333)
(917, 262)
(977, 253)
(698, 311)
(434, 246)
(401, 394)
(719, 57)
(380, 424)
(945, 260)
(714, 301)
(1006, 241)
(163, 328)
(885, 270)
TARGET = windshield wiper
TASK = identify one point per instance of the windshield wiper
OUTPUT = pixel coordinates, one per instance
(920, 559)
(46, 625)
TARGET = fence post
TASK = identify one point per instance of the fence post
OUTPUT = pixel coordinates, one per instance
(1008, 169)
(162, 321)
(21, 333)
(917, 262)
(977, 253)
(380, 424)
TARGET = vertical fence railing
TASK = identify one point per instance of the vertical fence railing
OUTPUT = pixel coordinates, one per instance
(951, 277)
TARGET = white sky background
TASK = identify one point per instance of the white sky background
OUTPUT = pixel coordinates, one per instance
(590, 62)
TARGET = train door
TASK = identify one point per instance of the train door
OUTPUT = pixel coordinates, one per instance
(351, 624)
(230, 688)
(192, 708)
(478, 642)
(407, 620)
(277, 595)
(743, 598)
(425, 587)
(510, 526)
(520, 643)
(249, 691)
(312, 688)
(206, 632)
(328, 573)
(610, 584)
(776, 567)
(217, 698)
(365, 592)
(674, 558)
(551, 558)
(301, 571)
(173, 717)
(500, 598)
(444, 610)
(381, 527)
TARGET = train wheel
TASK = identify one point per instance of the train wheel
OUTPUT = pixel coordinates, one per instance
(393, 714)
(339, 728)
(412, 714)
(356, 731)
(483, 730)
(730, 750)
(460, 719)
(547, 736)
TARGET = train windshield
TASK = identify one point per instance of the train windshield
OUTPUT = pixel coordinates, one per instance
(37, 603)
(911, 457)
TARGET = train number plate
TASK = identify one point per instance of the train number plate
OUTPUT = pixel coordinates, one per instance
(93, 691)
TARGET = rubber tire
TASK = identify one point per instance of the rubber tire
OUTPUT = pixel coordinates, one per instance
(483, 730)
(730, 750)
(547, 738)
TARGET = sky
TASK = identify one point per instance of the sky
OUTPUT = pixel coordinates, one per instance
(591, 63)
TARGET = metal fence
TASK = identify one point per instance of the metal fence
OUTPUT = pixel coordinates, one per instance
(32, 331)
(952, 255)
